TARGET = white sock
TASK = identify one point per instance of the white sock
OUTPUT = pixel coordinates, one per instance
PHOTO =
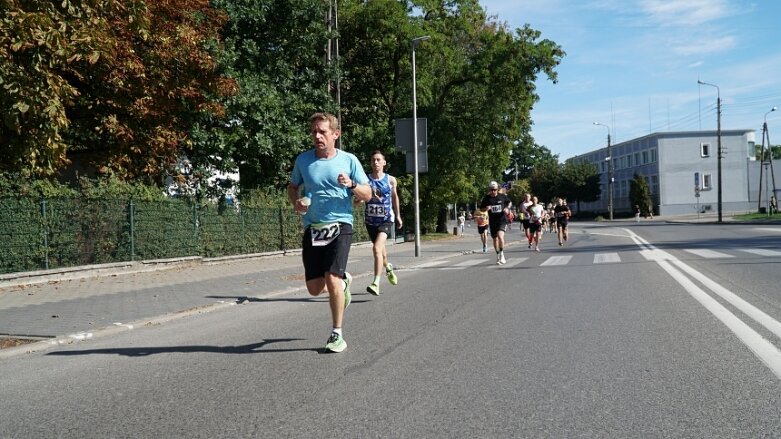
(376, 280)
(337, 331)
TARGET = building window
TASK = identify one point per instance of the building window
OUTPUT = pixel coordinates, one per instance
(704, 149)
(654, 184)
(645, 157)
(637, 159)
(653, 156)
(629, 161)
(706, 182)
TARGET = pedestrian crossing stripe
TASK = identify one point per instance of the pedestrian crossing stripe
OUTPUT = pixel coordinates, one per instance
(557, 260)
(763, 252)
(598, 258)
(708, 254)
(432, 264)
(606, 258)
(464, 264)
(513, 262)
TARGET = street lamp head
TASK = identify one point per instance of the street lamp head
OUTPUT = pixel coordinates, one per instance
(771, 110)
(417, 40)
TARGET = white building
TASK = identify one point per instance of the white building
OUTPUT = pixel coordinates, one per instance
(670, 163)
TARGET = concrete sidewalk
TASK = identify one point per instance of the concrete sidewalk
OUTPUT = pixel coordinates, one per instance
(94, 302)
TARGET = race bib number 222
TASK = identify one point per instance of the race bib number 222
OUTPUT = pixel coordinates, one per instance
(324, 234)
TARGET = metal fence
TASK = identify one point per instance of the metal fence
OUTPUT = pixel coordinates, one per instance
(56, 233)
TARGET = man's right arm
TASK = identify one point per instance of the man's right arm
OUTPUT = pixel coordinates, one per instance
(292, 196)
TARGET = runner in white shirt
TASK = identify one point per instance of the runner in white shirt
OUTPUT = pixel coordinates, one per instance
(536, 214)
(523, 210)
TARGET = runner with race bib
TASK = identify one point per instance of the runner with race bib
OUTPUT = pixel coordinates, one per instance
(382, 215)
(330, 178)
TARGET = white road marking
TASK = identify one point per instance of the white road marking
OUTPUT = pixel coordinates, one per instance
(432, 264)
(557, 260)
(708, 254)
(606, 258)
(765, 229)
(464, 264)
(762, 252)
(768, 353)
(513, 262)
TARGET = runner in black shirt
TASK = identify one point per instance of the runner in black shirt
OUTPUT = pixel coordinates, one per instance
(498, 206)
(562, 213)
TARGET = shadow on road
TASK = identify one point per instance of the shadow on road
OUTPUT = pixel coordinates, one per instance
(254, 348)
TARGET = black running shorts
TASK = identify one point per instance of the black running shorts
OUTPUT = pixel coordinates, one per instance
(322, 253)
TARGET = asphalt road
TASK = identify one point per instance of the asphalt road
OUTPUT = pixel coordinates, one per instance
(609, 336)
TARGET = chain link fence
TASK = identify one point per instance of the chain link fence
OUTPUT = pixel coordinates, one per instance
(57, 233)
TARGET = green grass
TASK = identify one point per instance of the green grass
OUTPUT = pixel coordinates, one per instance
(436, 236)
(758, 217)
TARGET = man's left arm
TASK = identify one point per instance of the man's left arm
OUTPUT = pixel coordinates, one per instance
(395, 201)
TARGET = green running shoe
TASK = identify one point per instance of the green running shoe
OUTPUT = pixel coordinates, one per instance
(392, 279)
(373, 289)
(348, 279)
(335, 343)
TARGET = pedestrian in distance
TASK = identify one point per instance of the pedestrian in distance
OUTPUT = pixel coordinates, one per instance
(637, 213)
(461, 221)
(498, 206)
(330, 178)
(381, 214)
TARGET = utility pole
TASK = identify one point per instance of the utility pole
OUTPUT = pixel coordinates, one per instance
(609, 172)
(331, 58)
(718, 147)
(765, 160)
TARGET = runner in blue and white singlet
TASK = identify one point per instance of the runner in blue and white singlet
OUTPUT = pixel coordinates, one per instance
(381, 215)
(379, 209)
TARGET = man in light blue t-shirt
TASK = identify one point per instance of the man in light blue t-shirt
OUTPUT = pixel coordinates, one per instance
(330, 178)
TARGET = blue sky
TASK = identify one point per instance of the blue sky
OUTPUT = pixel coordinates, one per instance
(634, 64)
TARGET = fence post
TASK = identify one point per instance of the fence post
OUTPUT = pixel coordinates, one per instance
(45, 235)
(132, 208)
(196, 240)
(243, 232)
(281, 229)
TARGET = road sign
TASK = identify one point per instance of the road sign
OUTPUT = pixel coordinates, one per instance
(404, 134)
(422, 161)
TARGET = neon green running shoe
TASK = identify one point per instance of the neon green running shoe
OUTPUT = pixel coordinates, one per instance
(373, 289)
(392, 279)
(335, 343)
(348, 279)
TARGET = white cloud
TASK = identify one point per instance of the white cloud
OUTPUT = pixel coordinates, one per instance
(706, 46)
(684, 12)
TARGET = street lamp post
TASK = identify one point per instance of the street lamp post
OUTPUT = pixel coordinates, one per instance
(763, 165)
(609, 173)
(718, 145)
(416, 201)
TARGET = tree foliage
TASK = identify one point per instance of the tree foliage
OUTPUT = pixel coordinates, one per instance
(275, 50)
(640, 194)
(572, 181)
(475, 85)
(232, 83)
(122, 80)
